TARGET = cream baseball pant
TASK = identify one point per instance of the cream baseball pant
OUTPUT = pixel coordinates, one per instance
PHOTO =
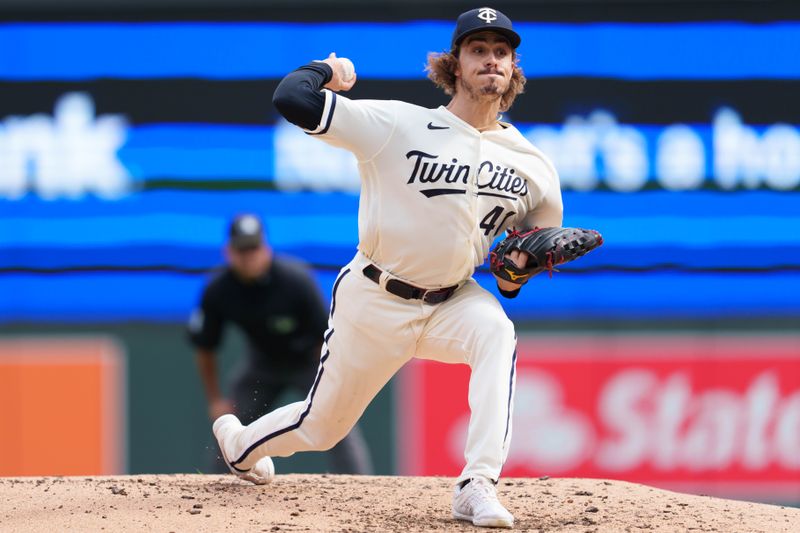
(371, 334)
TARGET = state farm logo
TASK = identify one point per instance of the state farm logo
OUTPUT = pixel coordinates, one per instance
(640, 420)
(668, 424)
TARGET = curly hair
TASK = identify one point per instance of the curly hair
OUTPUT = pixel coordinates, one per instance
(441, 70)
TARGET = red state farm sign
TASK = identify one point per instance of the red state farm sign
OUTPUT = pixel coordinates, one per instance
(721, 414)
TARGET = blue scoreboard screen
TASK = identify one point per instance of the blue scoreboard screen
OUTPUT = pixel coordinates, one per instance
(125, 148)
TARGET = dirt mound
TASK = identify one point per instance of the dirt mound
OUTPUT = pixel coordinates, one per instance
(180, 503)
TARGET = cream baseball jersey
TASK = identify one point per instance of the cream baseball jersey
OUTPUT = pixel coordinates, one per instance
(436, 192)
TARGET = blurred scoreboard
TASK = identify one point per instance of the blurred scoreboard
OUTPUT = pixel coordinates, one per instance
(126, 147)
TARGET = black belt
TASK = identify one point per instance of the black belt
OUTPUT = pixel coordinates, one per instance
(409, 292)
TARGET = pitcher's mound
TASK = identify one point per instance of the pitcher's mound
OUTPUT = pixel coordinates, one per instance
(163, 503)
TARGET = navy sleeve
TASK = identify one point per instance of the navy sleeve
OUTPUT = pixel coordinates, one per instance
(298, 97)
(206, 324)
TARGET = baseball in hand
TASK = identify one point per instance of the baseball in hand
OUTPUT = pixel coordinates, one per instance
(349, 70)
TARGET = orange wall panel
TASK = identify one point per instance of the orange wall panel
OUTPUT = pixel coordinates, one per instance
(62, 408)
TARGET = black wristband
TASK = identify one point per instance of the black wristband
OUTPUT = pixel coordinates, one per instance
(509, 294)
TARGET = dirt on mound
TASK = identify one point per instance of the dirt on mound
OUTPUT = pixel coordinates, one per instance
(163, 503)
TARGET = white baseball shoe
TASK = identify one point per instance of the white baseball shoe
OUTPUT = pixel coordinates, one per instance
(477, 502)
(226, 428)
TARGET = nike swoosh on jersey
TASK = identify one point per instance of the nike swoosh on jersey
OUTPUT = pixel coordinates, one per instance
(432, 127)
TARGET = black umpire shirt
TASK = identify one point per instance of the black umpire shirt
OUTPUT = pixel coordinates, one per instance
(282, 314)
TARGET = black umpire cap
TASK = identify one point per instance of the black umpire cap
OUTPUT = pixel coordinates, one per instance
(246, 231)
(482, 19)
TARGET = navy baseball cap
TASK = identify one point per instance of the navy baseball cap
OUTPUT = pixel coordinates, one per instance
(482, 19)
(246, 231)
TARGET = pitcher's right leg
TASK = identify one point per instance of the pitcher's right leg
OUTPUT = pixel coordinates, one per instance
(369, 338)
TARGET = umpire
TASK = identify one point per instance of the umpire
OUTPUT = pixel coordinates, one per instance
(278, 306)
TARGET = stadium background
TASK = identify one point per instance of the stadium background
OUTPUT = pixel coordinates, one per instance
(129, 136)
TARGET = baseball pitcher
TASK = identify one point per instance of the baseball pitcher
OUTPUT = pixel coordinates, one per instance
(438, 186)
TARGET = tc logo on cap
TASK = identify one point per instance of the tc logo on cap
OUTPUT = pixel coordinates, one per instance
(487, 14)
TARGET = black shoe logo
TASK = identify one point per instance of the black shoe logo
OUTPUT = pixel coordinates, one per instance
(432, 127)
